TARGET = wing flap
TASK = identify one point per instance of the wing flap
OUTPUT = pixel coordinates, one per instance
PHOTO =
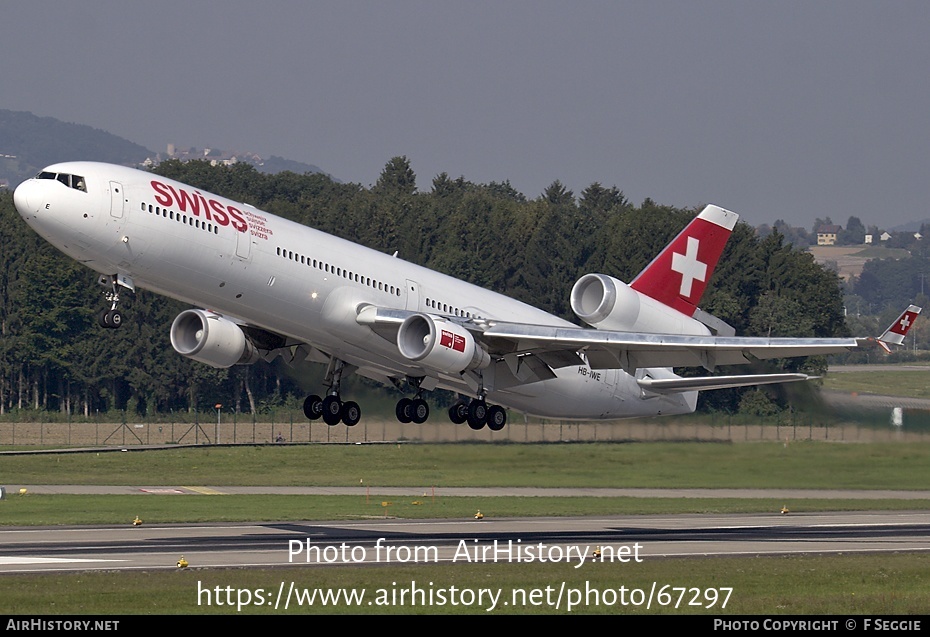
(701, 383)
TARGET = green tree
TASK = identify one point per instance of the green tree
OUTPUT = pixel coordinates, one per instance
(397, 178)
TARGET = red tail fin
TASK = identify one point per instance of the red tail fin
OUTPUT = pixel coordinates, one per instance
(678, 276)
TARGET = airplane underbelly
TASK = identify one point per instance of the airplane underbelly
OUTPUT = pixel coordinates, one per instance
(585, 394)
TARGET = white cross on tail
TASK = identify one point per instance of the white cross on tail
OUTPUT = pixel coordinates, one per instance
(689, 267)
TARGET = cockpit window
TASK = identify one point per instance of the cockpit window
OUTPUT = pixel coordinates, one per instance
(71, 181)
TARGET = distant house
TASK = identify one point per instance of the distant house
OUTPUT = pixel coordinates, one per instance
(885, 236)
(826, 235)
(868, 238)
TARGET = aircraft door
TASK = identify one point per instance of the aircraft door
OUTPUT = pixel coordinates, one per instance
(117, 200)
(243, 245)
(413, 296)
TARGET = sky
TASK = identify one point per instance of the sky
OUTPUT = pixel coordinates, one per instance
(793, 110)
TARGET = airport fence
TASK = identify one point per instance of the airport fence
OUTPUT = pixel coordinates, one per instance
(292, 427)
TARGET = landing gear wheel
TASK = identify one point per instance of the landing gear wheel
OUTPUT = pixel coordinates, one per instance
(497, 418)
(351, 413)
(332, 410)
(110, 318)
(313, 407)
(477, 414)
(458, 413)
(419, 411)
(114, 318)
(404, 410)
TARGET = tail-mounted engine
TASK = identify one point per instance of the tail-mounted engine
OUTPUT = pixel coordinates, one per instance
(610, 304)
(440, 345)
(209, 338)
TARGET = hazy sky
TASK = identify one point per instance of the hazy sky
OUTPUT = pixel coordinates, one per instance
(776, 110)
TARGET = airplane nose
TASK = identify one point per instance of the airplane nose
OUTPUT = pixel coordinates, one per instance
(21, 198)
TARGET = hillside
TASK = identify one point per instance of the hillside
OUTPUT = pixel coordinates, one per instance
(850, 260)
(29, 143)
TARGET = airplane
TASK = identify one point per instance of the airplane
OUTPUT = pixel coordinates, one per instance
(265, 286)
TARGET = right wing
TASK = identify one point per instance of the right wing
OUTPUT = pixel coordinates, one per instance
(538, 349)
(605, 349)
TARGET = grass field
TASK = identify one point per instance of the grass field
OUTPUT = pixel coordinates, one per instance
(885, 383)
(803, 465)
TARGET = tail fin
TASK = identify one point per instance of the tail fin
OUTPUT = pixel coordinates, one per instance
(898, 330)
(678, 276)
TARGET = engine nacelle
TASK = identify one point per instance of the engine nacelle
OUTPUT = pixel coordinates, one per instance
(610, 304)
(440, 345)
(211, 339)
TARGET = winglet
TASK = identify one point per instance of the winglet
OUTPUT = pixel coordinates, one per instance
(898, 330)
(678, 275)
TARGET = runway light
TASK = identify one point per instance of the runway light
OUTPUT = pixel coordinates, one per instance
(182, 563)
(137, 521)
(479, 515)
(22, 491)
(784, 510)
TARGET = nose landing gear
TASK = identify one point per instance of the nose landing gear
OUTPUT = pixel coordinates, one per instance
(112, 318)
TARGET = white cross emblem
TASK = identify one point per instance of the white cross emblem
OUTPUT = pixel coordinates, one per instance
(904, 322)
(689, 267)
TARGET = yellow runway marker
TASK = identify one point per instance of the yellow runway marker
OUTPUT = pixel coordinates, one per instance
(205, 491)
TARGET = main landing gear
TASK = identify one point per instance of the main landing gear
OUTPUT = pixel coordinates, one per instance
(477, 413)
(414, 409)
(332, 409)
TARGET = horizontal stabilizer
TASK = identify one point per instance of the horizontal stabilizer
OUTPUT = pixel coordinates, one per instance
(701, 383)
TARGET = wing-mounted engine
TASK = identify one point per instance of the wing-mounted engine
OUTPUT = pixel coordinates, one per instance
(607, 303)
(209, 338)
(440, 345)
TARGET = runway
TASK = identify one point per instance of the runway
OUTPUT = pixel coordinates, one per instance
(391, 541)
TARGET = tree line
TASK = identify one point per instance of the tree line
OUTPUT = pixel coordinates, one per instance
(53, 355)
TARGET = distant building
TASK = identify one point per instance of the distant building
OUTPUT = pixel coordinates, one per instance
(826, 235)
(868, 238)
(214, 156)
(885, 236)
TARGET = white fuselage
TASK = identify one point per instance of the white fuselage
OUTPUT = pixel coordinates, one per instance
(295, 281)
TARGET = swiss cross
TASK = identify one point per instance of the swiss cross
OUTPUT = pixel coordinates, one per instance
(452, 341)
(689, 267)
(905, 322)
